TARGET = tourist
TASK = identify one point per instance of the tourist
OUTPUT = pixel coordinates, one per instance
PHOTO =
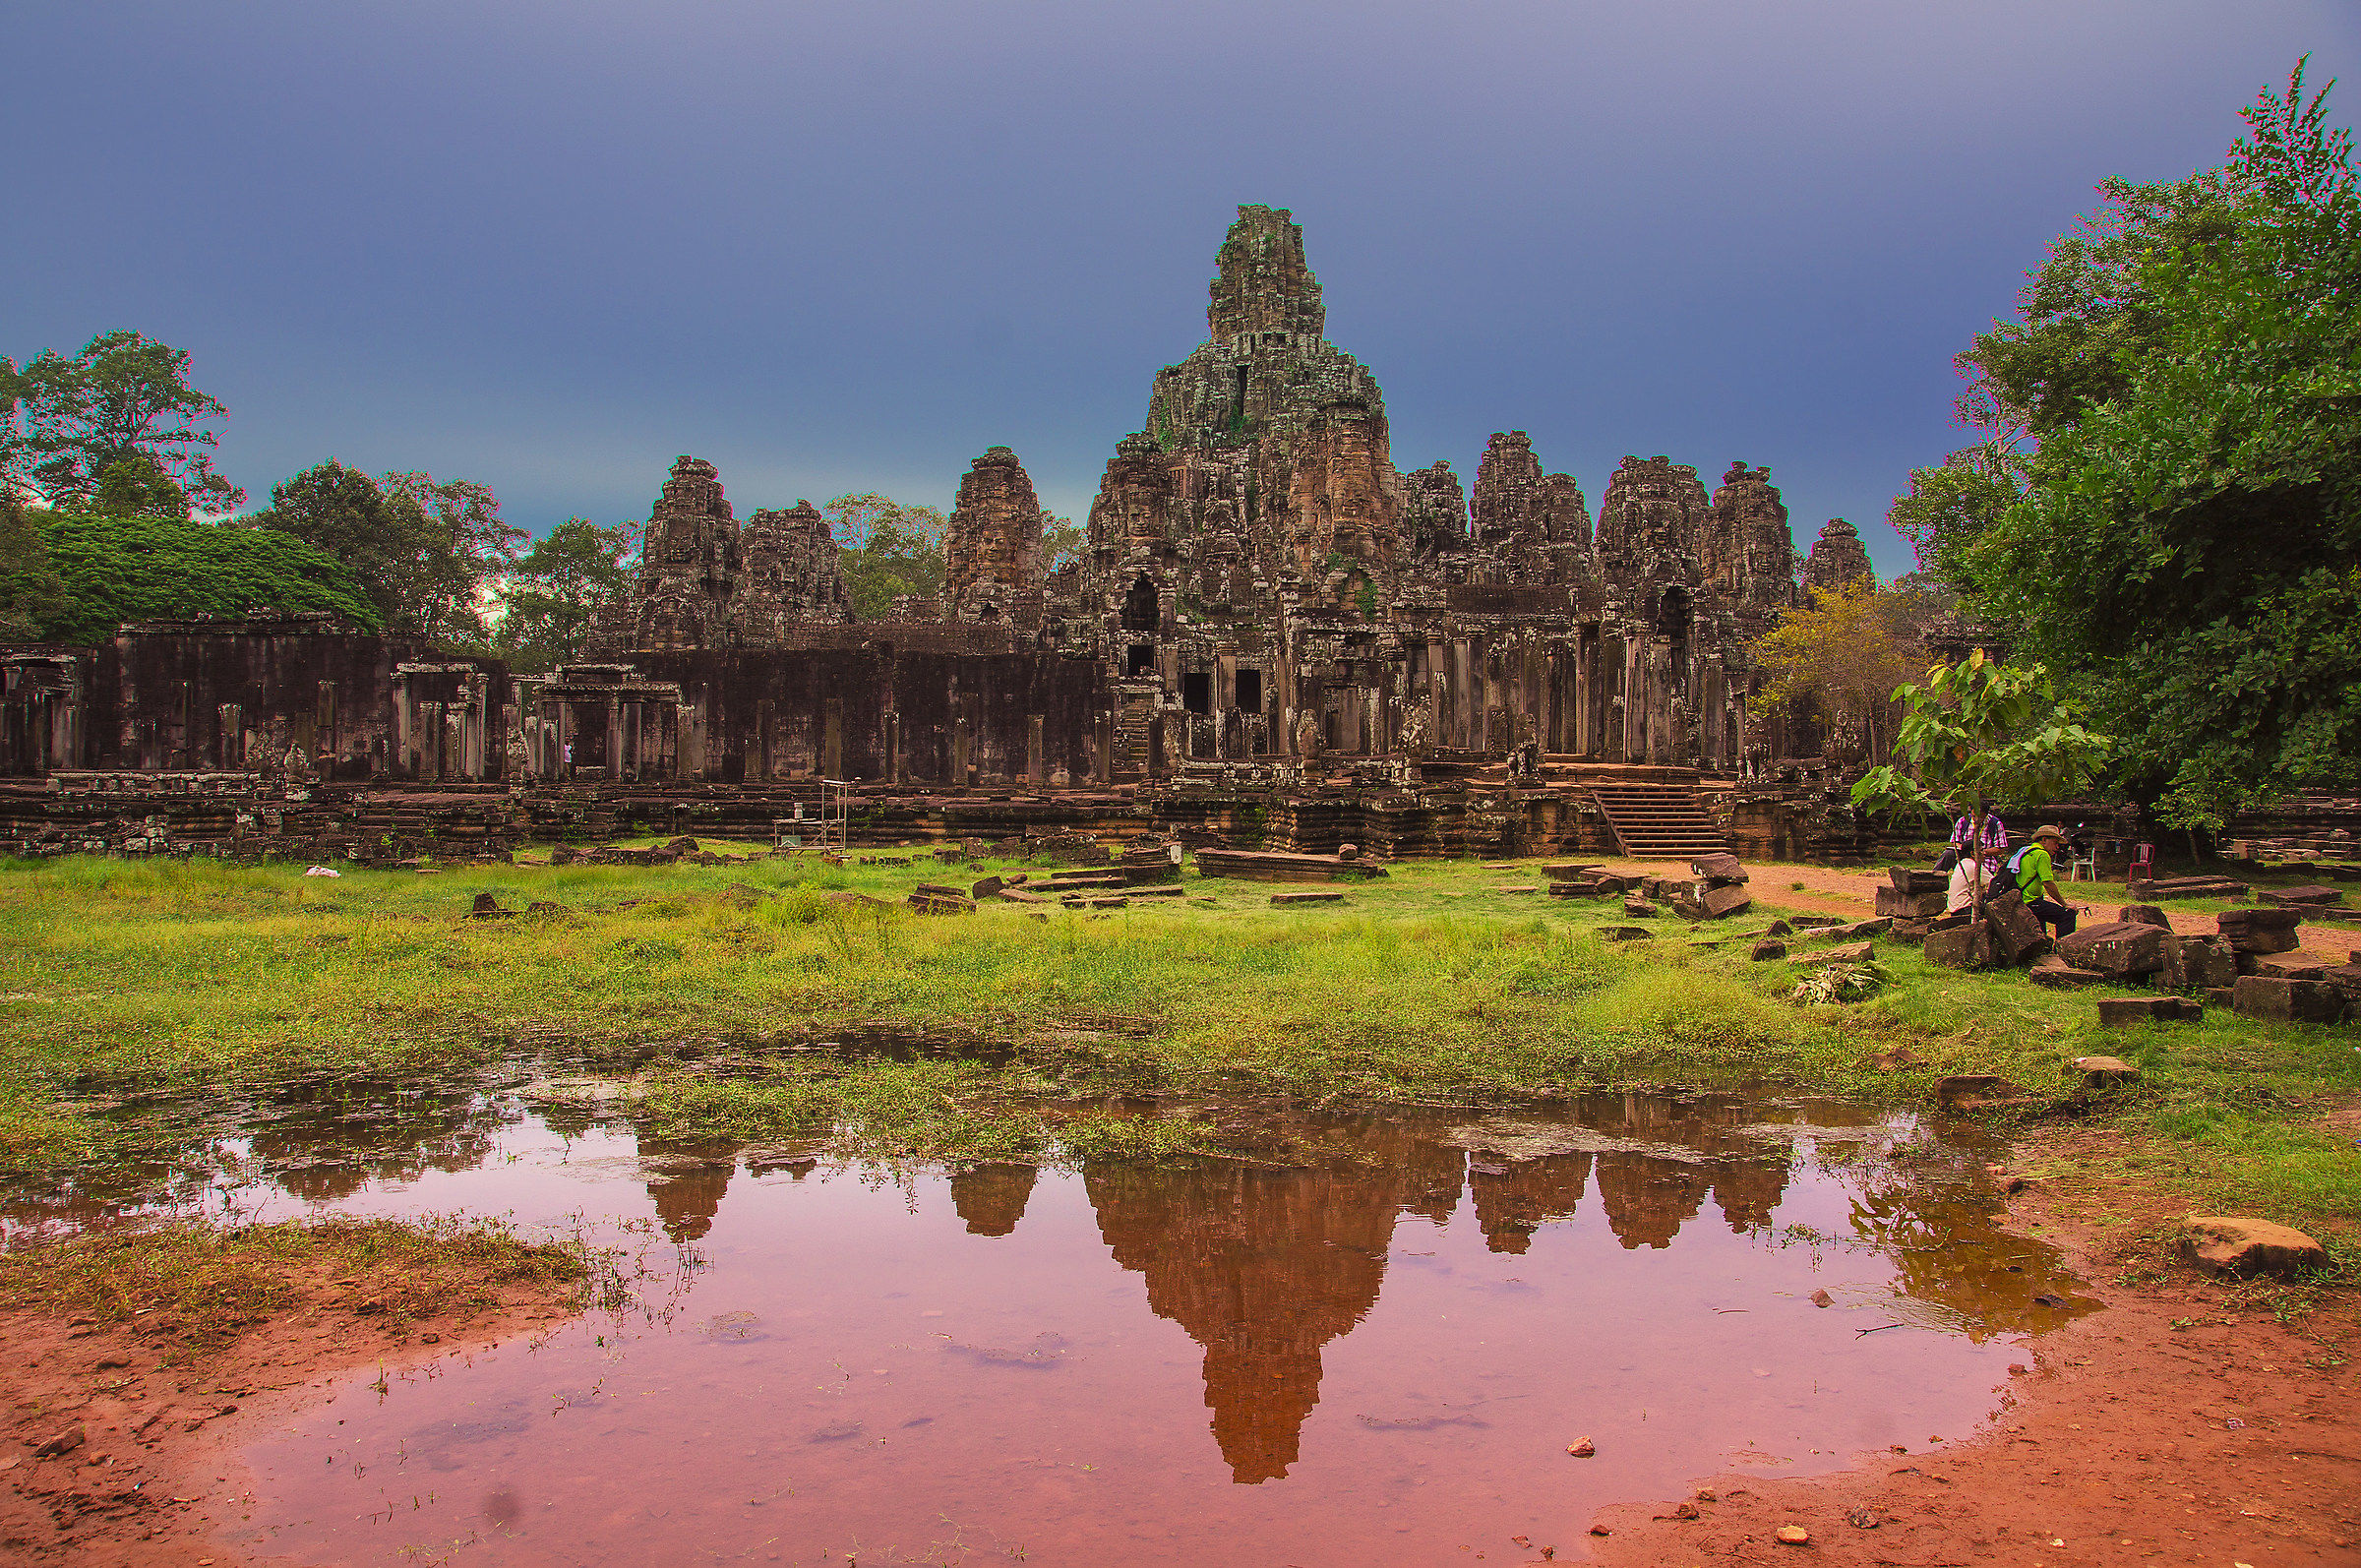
(1995, 840)
(569, 760)
(2035, 870)
(1967, 877)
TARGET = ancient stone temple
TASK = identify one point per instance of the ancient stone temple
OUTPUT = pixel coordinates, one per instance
(1268, 585)
(1273, 633)
(1837, 558)
(992, 562)
(703, 582)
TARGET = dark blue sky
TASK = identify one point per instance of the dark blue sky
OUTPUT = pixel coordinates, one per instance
(549, 246)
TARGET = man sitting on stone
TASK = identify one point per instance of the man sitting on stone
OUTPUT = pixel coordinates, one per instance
(2037, 874)
(1993, 844)
(1965, 878)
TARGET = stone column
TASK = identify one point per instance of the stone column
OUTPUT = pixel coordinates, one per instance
(454, 760)
(614, 739)
(402, 759)
(230, 716)
(1036, 768)
(831, 738)
(1102, 766)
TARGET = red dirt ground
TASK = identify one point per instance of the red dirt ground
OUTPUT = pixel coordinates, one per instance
(150, 1482)
(2186, 1424)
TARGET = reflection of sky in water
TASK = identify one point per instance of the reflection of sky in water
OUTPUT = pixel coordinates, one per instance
(1382, 1355)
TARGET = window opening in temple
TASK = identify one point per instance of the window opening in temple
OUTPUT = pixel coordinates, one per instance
(1140, 661)
(1139, 605)
(1673, 621)
(990, 612)
(1250, 691)
(1197, 692)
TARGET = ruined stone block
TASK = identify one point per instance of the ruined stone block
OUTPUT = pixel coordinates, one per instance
(2296, 1001)
(2063, 976)
(1849, 953)
(2119, 949)
(2142, 915)
(1307, 897)
(1963, 947)
(2209, 961)
(1909, 906)
(1913, 883)
(1719, 870)
(2017, 933)
(2223, 1246)
(1911, 930)
(1720, 903)
(1766, 950)
(2127, 1012)
(2259, 931)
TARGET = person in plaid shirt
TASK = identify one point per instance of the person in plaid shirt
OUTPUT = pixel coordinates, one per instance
(1995, 840)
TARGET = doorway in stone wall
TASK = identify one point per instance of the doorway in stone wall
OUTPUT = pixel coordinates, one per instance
(1140, 613)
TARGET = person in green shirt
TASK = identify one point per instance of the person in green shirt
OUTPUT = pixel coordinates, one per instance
(2036, 873)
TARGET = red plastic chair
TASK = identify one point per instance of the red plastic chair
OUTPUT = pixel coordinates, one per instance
(2144, 866)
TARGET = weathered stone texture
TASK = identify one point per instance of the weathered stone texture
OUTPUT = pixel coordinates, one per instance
(992, 557)
(1837, 558)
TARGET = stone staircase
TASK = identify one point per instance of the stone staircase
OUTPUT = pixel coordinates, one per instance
(1658, 821)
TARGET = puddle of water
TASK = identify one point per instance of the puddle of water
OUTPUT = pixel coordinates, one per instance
(1380, 1354)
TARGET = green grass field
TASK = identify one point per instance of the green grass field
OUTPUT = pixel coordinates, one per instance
(126, 978)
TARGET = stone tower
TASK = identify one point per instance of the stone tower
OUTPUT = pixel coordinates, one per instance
(1532, 526)
(792, 575)
(1750, 553)
(1837, 558)
(992, 557)
(689, 567)
(1651, 524)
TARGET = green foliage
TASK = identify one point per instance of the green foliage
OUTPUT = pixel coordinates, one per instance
(1979, 735)
(425, 553)
(32, 593)
(1951, 507)
(887, 550)
(547, 600)
(2188, 548)
(125, 398)
(1061, 544)
(114, 569)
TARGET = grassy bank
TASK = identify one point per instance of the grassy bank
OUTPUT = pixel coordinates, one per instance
(198, 1287)
(129, 978)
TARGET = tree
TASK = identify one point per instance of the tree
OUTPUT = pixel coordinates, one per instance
(1978, 735)
(426, 554)
(1061, 542)
(32, 593)
(466, 548)
(547, 601)
(65, 423)
(2186, 551)
(1951, 507)
(114, 569)
(1845, 652)
(887, 550)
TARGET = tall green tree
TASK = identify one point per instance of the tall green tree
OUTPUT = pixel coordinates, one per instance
(887, 550)
(125, 398)
(114, 569)
(2187, 550)
(548, 599)
(428, 555)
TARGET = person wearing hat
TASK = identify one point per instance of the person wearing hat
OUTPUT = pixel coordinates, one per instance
(2037, 874)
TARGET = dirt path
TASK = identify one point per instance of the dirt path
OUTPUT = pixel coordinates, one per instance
(2187, 1424)
(1828, 890)
(146, 1475)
